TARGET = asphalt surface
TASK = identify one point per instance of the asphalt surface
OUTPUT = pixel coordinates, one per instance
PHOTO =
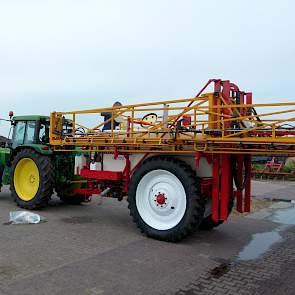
(96, 249)
(275, 190)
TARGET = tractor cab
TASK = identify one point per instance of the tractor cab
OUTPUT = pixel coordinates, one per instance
(29, 130)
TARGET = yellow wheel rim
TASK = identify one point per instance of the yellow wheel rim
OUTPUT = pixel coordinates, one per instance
(26, 179)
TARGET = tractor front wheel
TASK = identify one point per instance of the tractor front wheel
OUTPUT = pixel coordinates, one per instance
(32, 179)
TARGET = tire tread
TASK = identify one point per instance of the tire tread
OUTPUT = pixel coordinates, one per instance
(46, 171)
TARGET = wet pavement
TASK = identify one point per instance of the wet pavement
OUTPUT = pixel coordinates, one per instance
(266, 265)
(282, 213)
(96, 249)
(269, 270)
(271, 274)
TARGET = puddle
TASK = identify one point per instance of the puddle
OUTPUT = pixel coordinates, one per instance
(259, 244)
(284, 214)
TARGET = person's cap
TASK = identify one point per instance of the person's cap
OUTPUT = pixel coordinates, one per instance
(117, 104)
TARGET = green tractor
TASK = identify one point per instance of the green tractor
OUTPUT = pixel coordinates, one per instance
(33, 170)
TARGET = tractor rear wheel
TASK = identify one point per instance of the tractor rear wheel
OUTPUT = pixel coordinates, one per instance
(164, 199)
(32, 179)
(71, 199)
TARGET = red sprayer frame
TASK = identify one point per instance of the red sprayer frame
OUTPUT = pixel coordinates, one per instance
(228, 171)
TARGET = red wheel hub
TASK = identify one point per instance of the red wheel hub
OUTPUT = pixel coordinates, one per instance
(161, 199)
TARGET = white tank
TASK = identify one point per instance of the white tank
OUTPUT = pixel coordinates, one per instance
(95, 166)
(80, 163)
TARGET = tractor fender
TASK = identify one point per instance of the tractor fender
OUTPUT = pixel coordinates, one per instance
(39, 148)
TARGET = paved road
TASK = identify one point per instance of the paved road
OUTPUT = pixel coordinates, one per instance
(284, 190)
(96, 249)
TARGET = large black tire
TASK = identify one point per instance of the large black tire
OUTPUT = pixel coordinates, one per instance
(194, 207)
(209, 224)
(46, 180)
(74, 199)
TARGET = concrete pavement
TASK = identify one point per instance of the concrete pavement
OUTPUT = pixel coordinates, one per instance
(96, 249)
(274, 189)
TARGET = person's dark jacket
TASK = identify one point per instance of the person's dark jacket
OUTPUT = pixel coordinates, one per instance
(108, 125)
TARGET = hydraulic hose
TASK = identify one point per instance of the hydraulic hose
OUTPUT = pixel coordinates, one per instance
(241, 186)
(255, 113)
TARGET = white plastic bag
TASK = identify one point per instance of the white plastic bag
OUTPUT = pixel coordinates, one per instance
(24, 217)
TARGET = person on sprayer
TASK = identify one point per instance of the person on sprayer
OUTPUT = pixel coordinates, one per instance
(107, 116)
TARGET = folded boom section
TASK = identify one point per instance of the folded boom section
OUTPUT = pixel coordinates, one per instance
(221, 121)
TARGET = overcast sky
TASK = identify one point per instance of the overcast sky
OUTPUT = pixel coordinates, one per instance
(79, 54)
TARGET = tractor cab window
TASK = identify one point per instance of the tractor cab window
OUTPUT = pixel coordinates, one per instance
(30, 132)
(44, 132)
(19, 134)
